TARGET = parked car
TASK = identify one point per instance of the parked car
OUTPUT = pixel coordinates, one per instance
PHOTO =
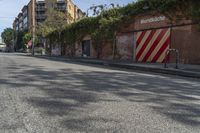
(2, 47)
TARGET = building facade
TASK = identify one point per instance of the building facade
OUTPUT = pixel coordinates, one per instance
(151, 36)
(148, 38)
(21, 21)
(24, 21)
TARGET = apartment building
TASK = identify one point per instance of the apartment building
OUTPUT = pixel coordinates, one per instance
(20, 16)
(40, 11)
(16, 24)
(25, 19)
(21, 21)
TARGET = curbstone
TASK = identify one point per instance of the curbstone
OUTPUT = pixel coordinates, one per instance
(168, 71)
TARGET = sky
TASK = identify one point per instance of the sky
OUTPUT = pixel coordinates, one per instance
(10, 9)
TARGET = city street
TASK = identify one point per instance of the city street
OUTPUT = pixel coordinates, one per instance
(47, 96)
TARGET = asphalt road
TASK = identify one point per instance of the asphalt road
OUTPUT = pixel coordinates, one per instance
(45, 96)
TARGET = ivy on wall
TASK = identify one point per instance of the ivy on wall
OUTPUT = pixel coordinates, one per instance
(105, 26)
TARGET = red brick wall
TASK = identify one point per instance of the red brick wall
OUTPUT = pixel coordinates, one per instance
(125, 46)
(107, 50)
(184, 38)
(187, 40)
(137, 25)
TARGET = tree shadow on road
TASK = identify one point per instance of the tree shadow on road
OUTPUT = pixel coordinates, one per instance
(69, 92)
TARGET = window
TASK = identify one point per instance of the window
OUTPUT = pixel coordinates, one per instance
(25, 20)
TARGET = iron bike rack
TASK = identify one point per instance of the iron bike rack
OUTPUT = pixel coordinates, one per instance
(177, 57)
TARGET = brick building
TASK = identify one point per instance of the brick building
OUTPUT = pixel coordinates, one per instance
(147, 38)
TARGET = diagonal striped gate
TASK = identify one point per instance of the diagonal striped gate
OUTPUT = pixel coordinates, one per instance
(151, 45)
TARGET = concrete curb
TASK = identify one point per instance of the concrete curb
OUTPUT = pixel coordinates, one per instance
(160, 70)
(170, 71)
(148, 69)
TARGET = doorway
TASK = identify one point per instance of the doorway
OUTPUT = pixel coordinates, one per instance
(86, 48)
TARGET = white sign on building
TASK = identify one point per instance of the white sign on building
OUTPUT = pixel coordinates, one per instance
(154, 19)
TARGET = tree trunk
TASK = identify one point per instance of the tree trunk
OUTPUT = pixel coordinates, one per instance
(73, 50)
(50, 48)
(99, 50)
(114, 48)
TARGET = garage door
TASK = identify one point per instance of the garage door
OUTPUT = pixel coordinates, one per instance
(151, 45)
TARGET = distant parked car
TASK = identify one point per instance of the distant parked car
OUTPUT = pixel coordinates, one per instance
(2, 47)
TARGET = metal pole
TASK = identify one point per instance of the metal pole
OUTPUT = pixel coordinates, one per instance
(166, 54)
(114, 45)
(13, 40)
(59, 43)
(33, 26)
(134, 48)
(177, 58)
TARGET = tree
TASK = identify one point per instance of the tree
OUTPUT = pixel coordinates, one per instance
(27, 37)
(55, 21)
(7, 36)
(19, 41)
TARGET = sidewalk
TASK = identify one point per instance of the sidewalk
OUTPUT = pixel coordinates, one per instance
(184, 70)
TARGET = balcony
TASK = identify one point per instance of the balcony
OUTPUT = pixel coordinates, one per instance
(61, 2)
(39, 21)
(21, 19)
(41, 16)
(40, 2)
(61, 8)
(61, 5)
(40, 8)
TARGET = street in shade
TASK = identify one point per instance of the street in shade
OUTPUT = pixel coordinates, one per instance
(81, 67)
(47, 95)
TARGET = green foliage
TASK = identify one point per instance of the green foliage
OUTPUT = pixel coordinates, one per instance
(26, 38)
(196, 13)
(20, 43)
(76, 31)
(173, 9)
(56, 21)
(7, 36)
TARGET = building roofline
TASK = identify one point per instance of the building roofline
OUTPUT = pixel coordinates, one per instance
(24, 8)
(19, 15)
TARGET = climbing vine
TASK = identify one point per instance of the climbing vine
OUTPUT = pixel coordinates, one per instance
(105, 25)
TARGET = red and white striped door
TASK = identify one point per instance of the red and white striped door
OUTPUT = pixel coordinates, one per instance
(152, 45)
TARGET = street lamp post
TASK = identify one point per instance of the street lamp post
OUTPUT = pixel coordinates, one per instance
(13, 34)
(33, 26)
